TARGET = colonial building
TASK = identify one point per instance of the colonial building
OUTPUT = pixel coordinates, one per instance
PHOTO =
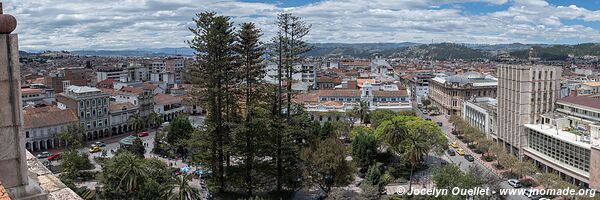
(43, 124)
(119, 116)
(168, 106)
(91, 105)
(375, 96)
(449, 92)
(138, 96)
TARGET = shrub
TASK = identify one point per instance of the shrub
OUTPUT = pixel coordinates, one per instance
(487, 158)
(498, 166)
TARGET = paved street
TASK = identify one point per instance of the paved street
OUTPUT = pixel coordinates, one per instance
(460, 160)
(112, 143)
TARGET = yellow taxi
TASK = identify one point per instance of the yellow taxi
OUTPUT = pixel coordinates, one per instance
(453, 144)
(95, 149)
(460, 151)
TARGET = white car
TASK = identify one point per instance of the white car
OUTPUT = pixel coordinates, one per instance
(514, 183)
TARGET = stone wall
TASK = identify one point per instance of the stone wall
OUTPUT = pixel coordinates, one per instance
(56, 189)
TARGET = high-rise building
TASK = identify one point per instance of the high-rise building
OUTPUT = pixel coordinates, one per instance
(524, 93)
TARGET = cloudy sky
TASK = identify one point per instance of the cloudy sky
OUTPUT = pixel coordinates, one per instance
(131, 24)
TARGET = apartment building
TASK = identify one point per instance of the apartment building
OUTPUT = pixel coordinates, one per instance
(524, 93)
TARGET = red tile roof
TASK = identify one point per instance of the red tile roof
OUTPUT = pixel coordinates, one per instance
(47, 116)
(339, 93)
(132, 90)
(119, 106)
(396, 93)
(165, 99)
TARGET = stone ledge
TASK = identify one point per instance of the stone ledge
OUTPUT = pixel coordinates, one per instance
(56, 189)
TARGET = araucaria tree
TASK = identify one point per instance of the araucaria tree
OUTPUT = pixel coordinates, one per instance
(249, 121)
(251, 68)
(213, 75)
(287, 48)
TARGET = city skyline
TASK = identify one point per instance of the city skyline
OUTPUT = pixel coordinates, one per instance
(80, 25)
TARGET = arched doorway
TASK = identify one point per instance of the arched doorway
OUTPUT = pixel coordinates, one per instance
(28, 146)
(49, 144)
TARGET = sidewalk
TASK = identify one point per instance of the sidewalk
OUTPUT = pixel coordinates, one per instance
(452, 138)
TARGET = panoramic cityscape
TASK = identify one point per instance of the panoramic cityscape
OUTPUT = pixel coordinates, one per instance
(303, 99)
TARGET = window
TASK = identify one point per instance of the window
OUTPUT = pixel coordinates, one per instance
(26, 134)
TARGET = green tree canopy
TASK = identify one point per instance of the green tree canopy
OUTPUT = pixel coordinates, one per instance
(179, 129)
(364, 150)
(380, 115)
(325, 164)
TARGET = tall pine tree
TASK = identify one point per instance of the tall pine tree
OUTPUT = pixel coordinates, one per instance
(213, 74)
(249, 51)
(287, 48)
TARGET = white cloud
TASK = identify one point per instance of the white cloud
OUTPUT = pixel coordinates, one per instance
(127, 24)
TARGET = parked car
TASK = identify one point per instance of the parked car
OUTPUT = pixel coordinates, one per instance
(451, 152)
(514, 183)
(460, 151)
(95, 149)
(425, 112)
(44, 154)
(453, 144)
(440, 124)
(469, 158)
(100, 144)
(143, 134)
(55, 156)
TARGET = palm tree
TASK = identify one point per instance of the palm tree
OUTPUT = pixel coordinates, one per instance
(154, 119)
(130, 171)
(181, 189)
(363, 111)
(415, 145)
(137, 121)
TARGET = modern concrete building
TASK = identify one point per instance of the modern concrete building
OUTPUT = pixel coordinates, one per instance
(448, 92)
(566, 141)
(91, 106)
(481, 113)
(418, 85)
(113, 73)
(32, 96)
(524, 93)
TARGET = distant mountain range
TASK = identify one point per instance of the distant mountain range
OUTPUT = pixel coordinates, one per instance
(439, 51)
